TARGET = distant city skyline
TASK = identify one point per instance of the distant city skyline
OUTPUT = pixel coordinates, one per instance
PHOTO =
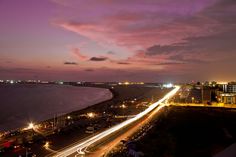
(105, 40)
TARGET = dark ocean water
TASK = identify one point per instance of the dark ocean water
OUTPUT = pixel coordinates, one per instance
(20, 104)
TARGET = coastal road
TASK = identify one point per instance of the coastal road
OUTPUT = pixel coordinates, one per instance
(119, 131)
(219, 105)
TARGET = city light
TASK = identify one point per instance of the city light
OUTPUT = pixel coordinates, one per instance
(126, 83)
(91, 115)
(222, 83)
(169, 85)
(46, 145)
(131, 83)
(123, 106)
(31, 125)
(193, 99)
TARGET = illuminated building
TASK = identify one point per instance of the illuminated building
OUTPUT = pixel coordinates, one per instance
(230, 87)
(228, 98)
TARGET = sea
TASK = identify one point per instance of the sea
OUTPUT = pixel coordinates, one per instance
(21, 104)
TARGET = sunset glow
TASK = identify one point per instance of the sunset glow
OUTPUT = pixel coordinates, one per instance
(117, 40)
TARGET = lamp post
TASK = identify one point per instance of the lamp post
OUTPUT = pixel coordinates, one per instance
(193, 100)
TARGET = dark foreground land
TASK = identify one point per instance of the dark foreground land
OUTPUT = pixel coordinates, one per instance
(186, 132)
(72, 129)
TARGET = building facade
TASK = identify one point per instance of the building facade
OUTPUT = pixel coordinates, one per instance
(230, 87)
(228, 98)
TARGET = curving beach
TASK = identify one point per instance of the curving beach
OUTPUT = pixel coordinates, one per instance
(21, 104)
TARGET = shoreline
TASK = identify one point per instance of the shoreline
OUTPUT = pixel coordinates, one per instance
(86, 108)
(7, 131)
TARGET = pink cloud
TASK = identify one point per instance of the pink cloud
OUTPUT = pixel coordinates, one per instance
(78, 54)
(194, 26)
(141, 24)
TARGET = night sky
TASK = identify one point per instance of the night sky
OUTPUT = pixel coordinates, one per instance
(118, 40)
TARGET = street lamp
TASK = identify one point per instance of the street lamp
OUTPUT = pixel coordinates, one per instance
(123, 106)
(91, 115)
(47, 144)
(31, 125)
(193, 99)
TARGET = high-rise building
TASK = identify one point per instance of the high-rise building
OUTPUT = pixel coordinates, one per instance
(230, 87)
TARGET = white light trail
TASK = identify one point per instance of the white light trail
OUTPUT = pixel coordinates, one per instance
(83, 145)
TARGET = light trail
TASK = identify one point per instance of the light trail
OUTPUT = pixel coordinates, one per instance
(83, 145)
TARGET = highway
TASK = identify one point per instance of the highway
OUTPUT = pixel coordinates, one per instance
(80, 148)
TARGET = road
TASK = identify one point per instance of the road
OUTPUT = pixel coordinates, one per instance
(81, 147)
(204, 105)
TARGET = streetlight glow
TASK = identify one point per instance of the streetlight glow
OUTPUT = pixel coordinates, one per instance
(47, 144)
(91, 115)
(123, 106)
(31, 125)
